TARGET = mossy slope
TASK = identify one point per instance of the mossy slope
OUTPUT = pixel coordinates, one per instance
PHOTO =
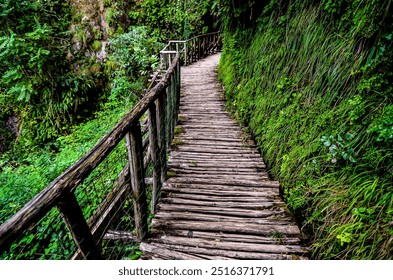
(313, 86)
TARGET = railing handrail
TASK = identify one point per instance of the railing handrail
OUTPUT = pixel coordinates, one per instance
(68, 180)
(192, 38)
(182, 46)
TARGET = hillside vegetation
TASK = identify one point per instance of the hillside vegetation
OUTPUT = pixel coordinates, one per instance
(312, 81)
(69, 70)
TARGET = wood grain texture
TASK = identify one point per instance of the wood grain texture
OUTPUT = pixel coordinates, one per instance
(218, 202)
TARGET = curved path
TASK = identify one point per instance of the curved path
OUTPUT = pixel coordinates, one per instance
(218, 202)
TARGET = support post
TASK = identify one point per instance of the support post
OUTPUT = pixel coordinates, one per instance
(135, 158)
(73, 217)
(185, 53)
(161, 118)
(155, 156)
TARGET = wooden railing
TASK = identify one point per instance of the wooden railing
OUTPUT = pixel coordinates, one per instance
(104, 197)
(192, 49)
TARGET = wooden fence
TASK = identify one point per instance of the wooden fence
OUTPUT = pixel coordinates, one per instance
(110, 193)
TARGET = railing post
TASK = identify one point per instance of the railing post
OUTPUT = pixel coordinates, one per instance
(135, 158)
(155, 156)
(161, 117)
(204, 46)
(177, 85)
(73, 217)
(185, 53)
(199, 48)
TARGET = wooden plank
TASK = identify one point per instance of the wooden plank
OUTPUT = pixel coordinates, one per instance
(191, 216)
(232, 162)
(218, 167)
(219, 193)
(213, 139)
(219, 253)
(255, 177)
(211, 144)
(207, 172)
(265, 230)
(212, 181)
(230, 246)
(218, 187)
(207, 197)
(215, 150)
(208, 158)
(232, 237)
(165, 253)
(245, 213)
(238, 205)
(121, 235)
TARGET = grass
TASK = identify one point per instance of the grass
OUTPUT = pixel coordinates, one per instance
(298, 87)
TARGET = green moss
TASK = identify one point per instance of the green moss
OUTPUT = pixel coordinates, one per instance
(320, 111)
(97, 45)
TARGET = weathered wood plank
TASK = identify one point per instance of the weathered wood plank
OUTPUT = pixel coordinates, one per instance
(217, 166)
(220, 253)
(121, 235)
(215, 150)
(218, 187)
(218, 161)
(265, 230)
(191, 216)
(202, 155)
(206, 172)
(230, 246)
(238, 205)
(162, 252)
(228, 177)
(212, 181)
(229, 192)
(213, 144)
(235, 212)
(207, 197)
(232, 237)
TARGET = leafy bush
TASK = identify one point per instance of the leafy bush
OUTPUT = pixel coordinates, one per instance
(36, 80)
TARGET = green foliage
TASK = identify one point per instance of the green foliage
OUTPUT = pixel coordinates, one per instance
(312, 81)
(179, 19)
(25, 173)
(36, 82)
(132, 58)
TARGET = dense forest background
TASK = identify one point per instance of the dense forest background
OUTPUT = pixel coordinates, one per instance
(309, 78)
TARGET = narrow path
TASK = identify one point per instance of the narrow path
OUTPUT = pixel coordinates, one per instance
(218, 202)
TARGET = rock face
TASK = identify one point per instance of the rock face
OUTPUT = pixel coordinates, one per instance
(13, 125)
(9, 130)
(91, 32)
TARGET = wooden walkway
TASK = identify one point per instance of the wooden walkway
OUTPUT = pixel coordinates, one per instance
(218, 202)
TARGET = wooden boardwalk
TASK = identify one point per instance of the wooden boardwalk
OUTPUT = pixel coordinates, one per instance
(218, 202)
